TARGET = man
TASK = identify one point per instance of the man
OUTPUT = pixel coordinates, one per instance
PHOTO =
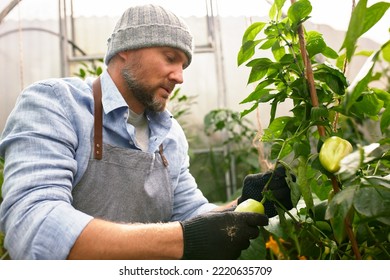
(100, 170)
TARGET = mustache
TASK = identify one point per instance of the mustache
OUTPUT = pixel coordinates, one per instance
(169, 87)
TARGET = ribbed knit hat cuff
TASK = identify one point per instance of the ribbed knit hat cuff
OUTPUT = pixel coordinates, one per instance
(150, 36)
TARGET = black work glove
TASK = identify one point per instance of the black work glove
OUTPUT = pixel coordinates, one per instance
(255, 183)
(220, 235)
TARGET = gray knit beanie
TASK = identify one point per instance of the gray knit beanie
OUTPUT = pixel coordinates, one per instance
(149, 26)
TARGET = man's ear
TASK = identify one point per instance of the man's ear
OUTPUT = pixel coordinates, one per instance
(122, 56)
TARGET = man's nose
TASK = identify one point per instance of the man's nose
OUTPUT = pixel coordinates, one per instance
(177, 75)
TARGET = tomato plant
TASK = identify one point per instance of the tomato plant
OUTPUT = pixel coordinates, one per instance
(341, 215)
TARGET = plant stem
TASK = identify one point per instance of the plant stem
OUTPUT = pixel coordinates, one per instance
(351, 236)
(308, 72)
(335, 184)
(321, 130)
(377, 242)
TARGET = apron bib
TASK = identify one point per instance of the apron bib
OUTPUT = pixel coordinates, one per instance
(123, 185)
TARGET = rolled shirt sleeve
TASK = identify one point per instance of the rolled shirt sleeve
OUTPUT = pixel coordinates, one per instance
(39, 146)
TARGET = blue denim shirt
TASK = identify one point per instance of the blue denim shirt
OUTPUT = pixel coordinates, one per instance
(47, 144)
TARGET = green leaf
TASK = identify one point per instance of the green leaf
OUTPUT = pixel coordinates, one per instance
(257, 74)
(350, 164)
(373, 202)
(247, 50)
(369, 16)
(265, 83)
(315, 43)
(385, 119)
(288, 60)
(255, 95)
(279, 4)
(275, 129)
(276, 9)
(360, 82)
(321, 186)
(332, 76)
(82, 73)
(382, 95)
(340, 204)
(279, 151)
(331, 82)
(373, 15)
(318, 113)
(278, 51)
(355, 28)
(365, 53)
(274, 106)
(299, 11)
(303, 183)
(275, 150)
(329, 52)
(259, 68)
(247, 111)
(99, 71)
(368, 105)
(340, 61)
(252, 31)
(273, 11)
(334, 71)
(256, 250)
(376, 181)
(268, 44)
(386, 52)
(301, 148)
(338, 209)
(260, 63)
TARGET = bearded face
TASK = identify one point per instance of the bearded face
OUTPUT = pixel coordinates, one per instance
(143, 93)
(150, 75)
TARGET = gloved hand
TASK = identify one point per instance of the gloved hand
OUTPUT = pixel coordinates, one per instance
(255, 183)
(220, 235)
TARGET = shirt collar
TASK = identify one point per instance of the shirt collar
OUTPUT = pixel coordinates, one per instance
(160, 123)
(112, 99)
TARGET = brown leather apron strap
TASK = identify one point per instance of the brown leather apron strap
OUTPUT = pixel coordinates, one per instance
(98, 116)
(163, 158)
(98, 124)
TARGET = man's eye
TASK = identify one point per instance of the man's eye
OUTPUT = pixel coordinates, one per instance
(170, 58)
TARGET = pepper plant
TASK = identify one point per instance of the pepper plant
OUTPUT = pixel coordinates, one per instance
(340, 215)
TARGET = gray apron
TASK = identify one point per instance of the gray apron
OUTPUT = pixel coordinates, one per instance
(123, 185)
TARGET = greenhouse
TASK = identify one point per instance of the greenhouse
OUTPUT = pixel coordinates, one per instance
(296, 91)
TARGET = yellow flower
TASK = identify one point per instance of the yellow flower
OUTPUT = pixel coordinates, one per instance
(274, 246)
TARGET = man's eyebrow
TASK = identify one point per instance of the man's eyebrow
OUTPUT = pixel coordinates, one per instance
(179, 53)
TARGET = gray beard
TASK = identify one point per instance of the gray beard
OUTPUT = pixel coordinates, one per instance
(142, 93)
